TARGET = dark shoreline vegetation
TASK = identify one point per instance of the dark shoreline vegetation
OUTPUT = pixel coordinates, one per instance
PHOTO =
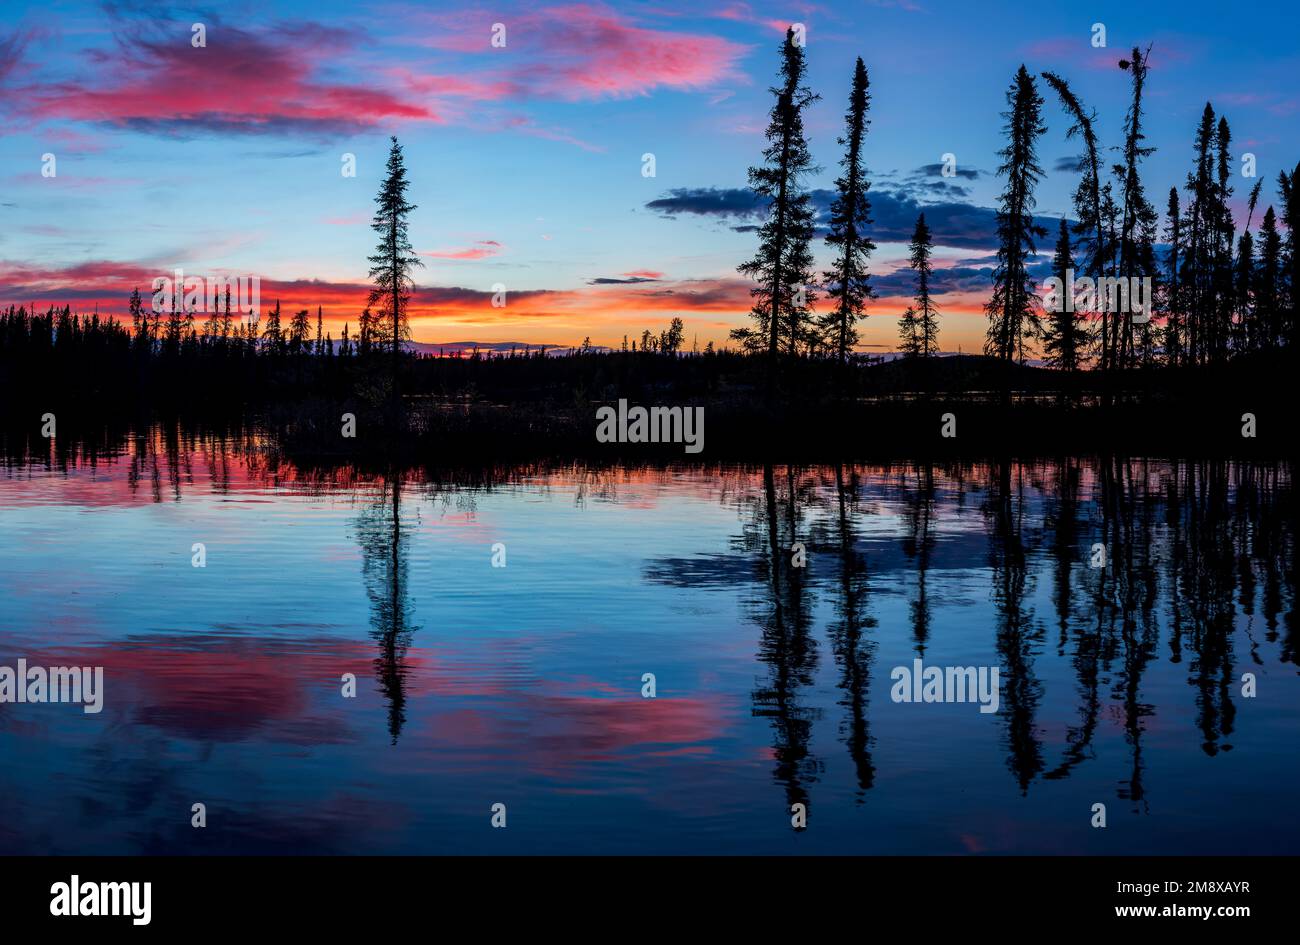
(470, 412)
(455, 410)
(1211, 371)
(92, 375)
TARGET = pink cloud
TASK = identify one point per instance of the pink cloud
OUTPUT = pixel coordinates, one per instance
(239, 82)
(453, 87)
(744, 13)
(247, 81)
(602, 54)
(585, 51)
(480, 250)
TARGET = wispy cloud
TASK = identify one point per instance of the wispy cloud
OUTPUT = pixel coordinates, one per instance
(480, 250)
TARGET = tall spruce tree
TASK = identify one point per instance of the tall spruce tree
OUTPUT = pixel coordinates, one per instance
(272, 335)
(1224, 298)
(783, 264)
(1137, 229)
(393, 260)
(1011, 309)
(848, 284)
(1198, 261)
(1172, 290)
(1268, 283)
(1289, 187)
(927, 316)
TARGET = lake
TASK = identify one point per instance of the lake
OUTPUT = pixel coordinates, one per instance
(499, 626)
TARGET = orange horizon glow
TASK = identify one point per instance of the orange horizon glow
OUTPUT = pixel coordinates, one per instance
(560, 318)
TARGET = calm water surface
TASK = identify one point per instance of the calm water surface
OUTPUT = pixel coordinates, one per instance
(1121, 685)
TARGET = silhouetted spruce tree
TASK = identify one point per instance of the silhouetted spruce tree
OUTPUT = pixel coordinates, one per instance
(927, 317)
(139, 318)
(1011, 312)
(1172, 295)
(226, 320)
(1087, 195)
(1268, 283)
(1198, 263)
(1245, 331)
(187, 323)
(848, 284)
(674, 336)
(1243, 293)
(272, 336)
(783, 265)
(153, 316)
(1289, 186)
(391, 265)
(365, 333)
(300, 332)
(1137, 229)
(1224, 299)
(175, 324)
(909, 339)
(1064, 335)
(212, 327)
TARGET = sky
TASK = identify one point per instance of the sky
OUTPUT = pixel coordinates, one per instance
(526, 159)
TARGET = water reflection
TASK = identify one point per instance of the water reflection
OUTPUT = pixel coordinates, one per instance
(384, 570)
(849, 631)
(786, 645)
(1121, 598)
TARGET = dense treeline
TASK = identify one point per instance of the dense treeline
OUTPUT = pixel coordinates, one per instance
(1218, 291)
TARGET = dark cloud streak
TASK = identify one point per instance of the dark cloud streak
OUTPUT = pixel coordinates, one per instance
(893, 209)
